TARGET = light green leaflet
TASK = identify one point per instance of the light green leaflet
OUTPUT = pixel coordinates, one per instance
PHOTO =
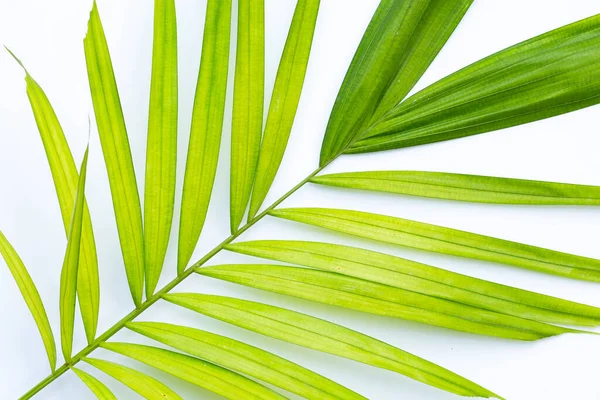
(245, 359)
(69, 273)
(97, 387)
(317, 334)
(65, 176)
(200, 373)
(285, 99)
(207, 123)
(248, 99)
(475, 188)
(375, 298)
(144, 385)
(548, 75)
(161, 151)
(401, 41)
(30, 295)
(420, 278)
(117, 154)
(440, 239)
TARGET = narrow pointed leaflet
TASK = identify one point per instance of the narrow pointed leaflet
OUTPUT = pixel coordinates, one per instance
(197, 372)
(362, 295)
(400, 43)
(69, 273)
(98, 388)
(161, 151)
(65, 177)
(321, 335)
(207, 123)
(248, 99)
(117, 154)
(31, 296)
(245, 359)
(421, 278)
(142, 384)
(549, 75)
(285, 99)
(462, 187)
(444, 240)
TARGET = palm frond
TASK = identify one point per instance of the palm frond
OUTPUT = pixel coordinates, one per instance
(207, 123)
(117, 154)
(98, 388)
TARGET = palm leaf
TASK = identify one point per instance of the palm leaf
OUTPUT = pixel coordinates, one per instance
(245, 359)
(462, 187)
(207, 123)
(401, 41)
(161, 152)
(551, 74)
(375, 298)
(317, 334)
(200, 373)
(97, 387)
(420, 278)
(248, 99)
(65, 176)
(30, 295)
(285, 99)
(146, 386)
(69, 273)
(117, 154)
(444, 240)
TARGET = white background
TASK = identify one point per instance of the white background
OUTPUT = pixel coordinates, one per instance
(47, 35)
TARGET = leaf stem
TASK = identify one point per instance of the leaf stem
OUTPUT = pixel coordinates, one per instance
(166, 289)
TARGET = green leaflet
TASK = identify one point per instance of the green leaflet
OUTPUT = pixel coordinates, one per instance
(245, 359)
(475, 188)
(117, 155)
(248, 99)
(551, 74)
(97, 387)
(400, 43)
(444, 240)
(30, 295)
(420, 278)
(200, 373)
(207, 123)
(285, 99)
(65, 176)
(161, 151)
(375, 298)
(144, 385)
(69, 273)
(317, 334)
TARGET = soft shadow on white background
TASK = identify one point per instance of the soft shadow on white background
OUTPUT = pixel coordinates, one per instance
(48, 38)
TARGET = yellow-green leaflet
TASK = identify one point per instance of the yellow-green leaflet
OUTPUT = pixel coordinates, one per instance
(146, 386)
(462, 187)
(399, 44)
(117, 154)
(30, 295)
(548, 75)
(420, 278)
(318, 334)
(161, 151)
(200, 373)
(97, 387)
(245, 359)
(69, 273)
(440, 239)
(248, 99)
(285, 99)
(375, 298)
(207, 123)
(65, 177)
